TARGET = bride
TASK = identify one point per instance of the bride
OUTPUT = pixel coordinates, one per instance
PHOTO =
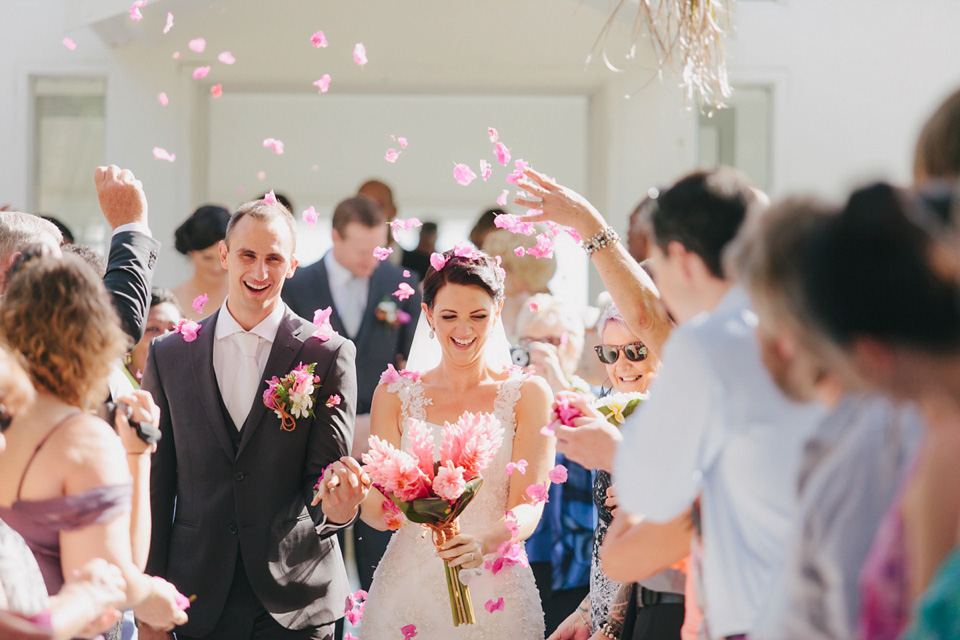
(462, 302)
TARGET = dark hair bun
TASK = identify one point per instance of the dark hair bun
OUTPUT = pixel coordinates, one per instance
(206, 227)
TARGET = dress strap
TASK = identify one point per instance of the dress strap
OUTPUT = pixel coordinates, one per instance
(504, 406)
(40, 445)
(413, 403)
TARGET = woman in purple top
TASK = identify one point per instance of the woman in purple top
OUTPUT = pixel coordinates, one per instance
(65, 486)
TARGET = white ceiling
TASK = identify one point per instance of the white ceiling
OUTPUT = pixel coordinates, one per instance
(448, 46)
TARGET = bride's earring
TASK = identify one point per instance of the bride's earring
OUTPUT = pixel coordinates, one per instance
(432, 333)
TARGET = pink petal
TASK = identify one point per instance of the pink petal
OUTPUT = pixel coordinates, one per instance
(519, 465)
(197, 45)
(409, 631)
(492, 606)
(463, 174)
(200, 72)
(261, 175)
(226, 58)
(558, 475)
(534, 307)
(503, 154)
(162, 154)
(169, 25)
(310, 216)
(163, 99)
(135, 14)
(176, 55)
(547, 430)
(538, 493)
(403, 292)
(406, 273)
(502, 200)
(494, 136)
(573, 233)
(69, 44)
(349, 636)
(216, 90)
(199, 302)
(485, 170)
(360, 54)
(318, 39)
(437, 261)
(402, 142)
(392, 155)
(277, 145)
(333, 401)
(382, 253)
(399, 225)
(270, 198)
(520, 251)
(323, 84)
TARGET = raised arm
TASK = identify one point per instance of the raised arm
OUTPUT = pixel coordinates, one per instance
(631, 288)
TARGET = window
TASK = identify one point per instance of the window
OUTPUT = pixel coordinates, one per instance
(740, 135)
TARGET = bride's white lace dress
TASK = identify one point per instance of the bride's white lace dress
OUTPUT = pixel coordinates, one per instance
(409, 586)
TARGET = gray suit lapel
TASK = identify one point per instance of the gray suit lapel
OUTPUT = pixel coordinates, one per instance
(288, 343)
(205, 381)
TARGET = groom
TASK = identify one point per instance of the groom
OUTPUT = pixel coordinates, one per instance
(231, 483)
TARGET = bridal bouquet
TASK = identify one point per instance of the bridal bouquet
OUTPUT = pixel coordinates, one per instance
(433, 493)
(617, 406)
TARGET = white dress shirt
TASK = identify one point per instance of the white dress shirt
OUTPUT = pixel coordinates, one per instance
(227, 358)
(349, 294)
(716, 425)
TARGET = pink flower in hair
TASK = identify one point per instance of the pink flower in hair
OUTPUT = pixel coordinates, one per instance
(449, 483)
(437, 261)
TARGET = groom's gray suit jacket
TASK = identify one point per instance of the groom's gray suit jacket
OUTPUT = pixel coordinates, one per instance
(250, 490)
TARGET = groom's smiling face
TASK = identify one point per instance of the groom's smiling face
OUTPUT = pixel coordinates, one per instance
(258, 254)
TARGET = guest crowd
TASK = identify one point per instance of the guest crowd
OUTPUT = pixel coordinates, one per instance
(759, 421)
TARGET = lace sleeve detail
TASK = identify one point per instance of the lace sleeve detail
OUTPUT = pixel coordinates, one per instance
(504, 407)
(412, 402)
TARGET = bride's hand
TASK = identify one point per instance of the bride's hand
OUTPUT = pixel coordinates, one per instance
(463, 550)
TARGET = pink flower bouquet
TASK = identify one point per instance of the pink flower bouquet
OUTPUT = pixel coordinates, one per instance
(433, 493)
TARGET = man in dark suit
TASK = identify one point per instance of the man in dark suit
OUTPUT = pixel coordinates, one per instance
(232, 483)
(359, 288)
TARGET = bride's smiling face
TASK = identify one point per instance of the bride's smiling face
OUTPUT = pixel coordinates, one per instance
(463, 317)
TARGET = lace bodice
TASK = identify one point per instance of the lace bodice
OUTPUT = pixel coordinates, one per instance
(409, 585)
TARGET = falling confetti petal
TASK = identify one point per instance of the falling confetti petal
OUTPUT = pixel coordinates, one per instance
(399, 225)
(216, 90)
(382, 253)
(226, 58)
(277, 145)
(503, 154)
(538, 493)
(502, 200)
(558, 475)
(360, 54)
(519, 465)
(392, 155)
(437, 261)
(135, 14)
(163, 154)
(403, 292)
(321, 318)
(69, 44)
(197, 45)
(261, 175)
(270, 197)
(406, 273)
(310, 216)
(318, 39)
(323, 84)
(199, 302)
(544, 248)
(169, 25)
(463, 174)
(402, 142)
(163, 99)
(200, 72)
(494, 136)
(176, 55)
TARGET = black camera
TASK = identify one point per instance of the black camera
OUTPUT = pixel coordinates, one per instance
(146, 431)
(519, 355)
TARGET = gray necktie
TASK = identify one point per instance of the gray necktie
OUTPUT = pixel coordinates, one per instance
(247, 380)
(352, 313)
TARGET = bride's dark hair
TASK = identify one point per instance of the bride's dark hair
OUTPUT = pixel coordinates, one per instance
(477, 269)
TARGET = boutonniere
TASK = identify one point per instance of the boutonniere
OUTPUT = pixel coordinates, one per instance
(618, 406)
(390, 314)
(291, 396)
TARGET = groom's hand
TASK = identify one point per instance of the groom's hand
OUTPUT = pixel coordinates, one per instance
(342, 489)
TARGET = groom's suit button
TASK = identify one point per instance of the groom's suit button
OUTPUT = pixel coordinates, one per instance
(238, 476)
(233, 529)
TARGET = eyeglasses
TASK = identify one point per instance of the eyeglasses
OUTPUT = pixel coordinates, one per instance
(610, 353)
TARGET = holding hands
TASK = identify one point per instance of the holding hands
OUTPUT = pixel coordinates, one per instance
(342, 488)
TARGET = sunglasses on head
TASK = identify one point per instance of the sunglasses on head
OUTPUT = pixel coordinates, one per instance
(609, 353)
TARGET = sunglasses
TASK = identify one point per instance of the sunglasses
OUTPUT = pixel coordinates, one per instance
(609, 353)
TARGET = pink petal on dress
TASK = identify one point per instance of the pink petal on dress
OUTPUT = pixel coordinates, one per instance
(163, 99)
(197, 45)
(318, 39)
(323, 84)
(463, 174)
(534, 307)
(503, 154)
(216, 90)
(169, 25)
(502, 200)
(226, 58)
(520, 251)
(310, 216)
(200, 72)
(160, 153)
(69, 44)
(270, 197)
(360, 54)
(392, 155)
(409, 631)
(494, 605)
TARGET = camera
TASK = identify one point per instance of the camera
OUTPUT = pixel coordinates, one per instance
(146, 431)
(519, 355)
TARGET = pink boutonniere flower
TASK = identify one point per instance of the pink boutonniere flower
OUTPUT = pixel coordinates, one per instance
(291, 396)
(188, 329)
